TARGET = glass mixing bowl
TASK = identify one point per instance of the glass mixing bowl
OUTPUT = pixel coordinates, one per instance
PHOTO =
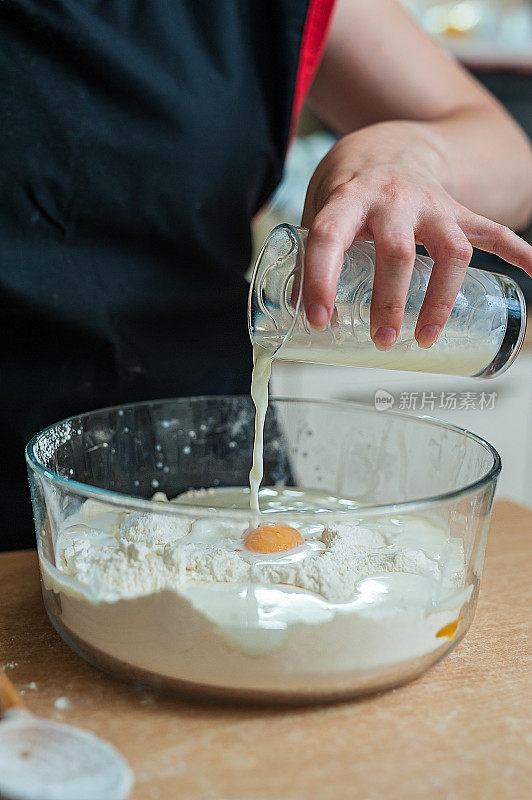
(417, 475)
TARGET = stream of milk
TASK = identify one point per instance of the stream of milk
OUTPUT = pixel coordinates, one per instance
(260, 378)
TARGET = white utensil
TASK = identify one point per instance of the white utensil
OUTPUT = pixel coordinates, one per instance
(41, 759)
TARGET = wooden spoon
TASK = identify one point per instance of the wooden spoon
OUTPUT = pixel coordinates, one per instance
(41, 759)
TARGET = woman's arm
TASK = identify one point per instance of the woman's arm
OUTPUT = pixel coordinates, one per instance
(429, 152)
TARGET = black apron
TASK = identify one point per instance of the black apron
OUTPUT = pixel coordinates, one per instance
(138, 138)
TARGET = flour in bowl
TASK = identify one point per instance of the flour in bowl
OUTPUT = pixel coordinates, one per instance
(182, 594)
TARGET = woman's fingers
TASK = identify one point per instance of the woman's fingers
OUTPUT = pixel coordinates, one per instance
(395, 252)
(497, 239)
(451, 251)
(348, 214)
(331, 234)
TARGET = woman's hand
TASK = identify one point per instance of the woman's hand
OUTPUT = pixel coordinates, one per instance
(380, 184)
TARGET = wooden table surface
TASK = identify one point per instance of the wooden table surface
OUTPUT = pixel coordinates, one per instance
(461, 732)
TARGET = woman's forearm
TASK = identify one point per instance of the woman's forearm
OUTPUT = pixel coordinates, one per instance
(380, 67)
(483, 159)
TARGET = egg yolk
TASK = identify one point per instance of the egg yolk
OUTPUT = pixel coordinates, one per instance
(270, 538)
(450, 629)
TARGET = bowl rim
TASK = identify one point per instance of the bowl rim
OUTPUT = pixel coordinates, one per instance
(128, 502)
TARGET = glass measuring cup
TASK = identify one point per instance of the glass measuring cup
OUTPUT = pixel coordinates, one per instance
(481, 338)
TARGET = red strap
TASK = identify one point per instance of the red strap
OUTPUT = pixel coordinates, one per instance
(312, 44)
